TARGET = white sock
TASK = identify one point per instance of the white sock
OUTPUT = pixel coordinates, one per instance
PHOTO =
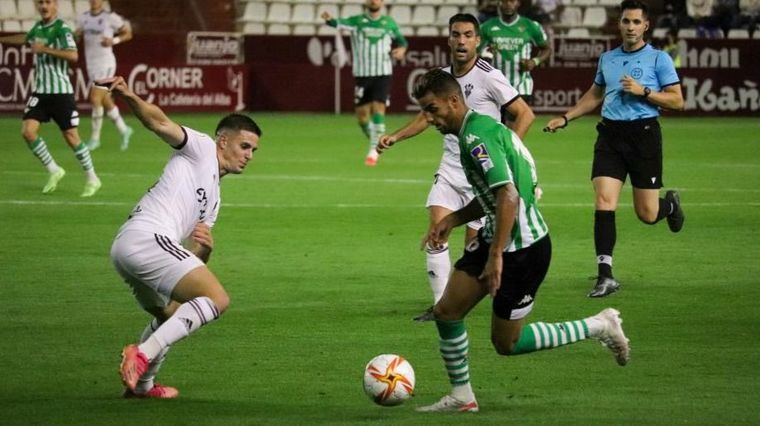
(145, 383)
(97, 122)
(190, 316)
(463, 392)
(438, 269)
(114, 115)
(595, 326)
(374, 134)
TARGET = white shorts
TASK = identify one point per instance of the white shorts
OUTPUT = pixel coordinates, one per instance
(151, 265)
(452, 197)
(99, 73)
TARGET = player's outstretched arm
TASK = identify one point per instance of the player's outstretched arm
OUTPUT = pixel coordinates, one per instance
(151, 116)
(413, 128)
(587, 103)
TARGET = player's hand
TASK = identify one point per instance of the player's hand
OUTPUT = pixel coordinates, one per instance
(398, 53)
(630, 85)
(106, 41)
(527, 65)
(384, 142)
(326, 16)
(202, 235)
(555, 124)
(491, 275)
(115, 85)
(38, 47)
(437, 235)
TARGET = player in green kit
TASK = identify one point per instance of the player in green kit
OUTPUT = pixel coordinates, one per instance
(372, 37)
(510, 39)
(52, 41)
(511, 255)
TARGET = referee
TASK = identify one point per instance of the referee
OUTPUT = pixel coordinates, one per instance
(632, 82)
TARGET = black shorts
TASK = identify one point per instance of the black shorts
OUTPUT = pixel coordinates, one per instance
(60, 107)
(372, 89)
(522, 274)
(629, 148)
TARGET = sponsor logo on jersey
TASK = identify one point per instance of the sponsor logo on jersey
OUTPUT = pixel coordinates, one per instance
(480, 154)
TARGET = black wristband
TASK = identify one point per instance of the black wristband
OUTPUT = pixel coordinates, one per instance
(566, 120)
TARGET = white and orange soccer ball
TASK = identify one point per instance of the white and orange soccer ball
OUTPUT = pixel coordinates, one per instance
(388, 379)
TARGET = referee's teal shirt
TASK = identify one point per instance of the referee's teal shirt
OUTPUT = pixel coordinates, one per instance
(650, 67)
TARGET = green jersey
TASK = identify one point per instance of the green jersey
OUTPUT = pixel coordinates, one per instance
(492, 156)
(51, 73)
(371, 41)
(511, 43)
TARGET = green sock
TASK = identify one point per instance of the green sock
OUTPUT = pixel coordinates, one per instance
(454, 345)
(365, 128)
(39, 149)
(539, 335)
(83, 155)
(376, 128)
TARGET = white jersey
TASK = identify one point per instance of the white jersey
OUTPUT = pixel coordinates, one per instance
(485, 90)
(186, 193)
(94, 28)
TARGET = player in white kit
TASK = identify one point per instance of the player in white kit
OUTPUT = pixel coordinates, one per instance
(170, 280)
(486, 91)
(103, 29)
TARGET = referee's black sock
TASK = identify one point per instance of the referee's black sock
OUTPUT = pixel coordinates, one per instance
(666, 208)
(604, 240)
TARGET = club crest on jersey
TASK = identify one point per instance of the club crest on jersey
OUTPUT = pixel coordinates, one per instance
(480, 154)
(468, 89)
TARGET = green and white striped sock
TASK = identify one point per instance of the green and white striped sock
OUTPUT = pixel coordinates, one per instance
(39, 149)
(540, 335)
(83, 155)
(454, 346)
(376, 128)
(365, 128)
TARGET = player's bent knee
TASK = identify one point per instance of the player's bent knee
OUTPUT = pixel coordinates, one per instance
(647, 216)
(503, 346)
(444, 313)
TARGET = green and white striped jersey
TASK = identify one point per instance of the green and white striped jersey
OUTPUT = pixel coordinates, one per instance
(371, 41)
(492, 156)
(51, 73)
(510, 43)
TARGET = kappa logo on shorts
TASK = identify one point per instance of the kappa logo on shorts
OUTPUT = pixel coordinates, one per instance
(480, 154)
(525, 300)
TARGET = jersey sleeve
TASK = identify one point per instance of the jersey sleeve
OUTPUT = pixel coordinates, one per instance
(599, 77)
(665, 70)
(349, 23)
(485, 38)
(197, 145)
(538, 35)
(499, 88)
(396, 34)
(66, 38)
(116, 21)
(491, 157)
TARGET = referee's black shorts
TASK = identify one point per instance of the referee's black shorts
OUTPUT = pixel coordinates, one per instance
(629, 148)
(60, 107)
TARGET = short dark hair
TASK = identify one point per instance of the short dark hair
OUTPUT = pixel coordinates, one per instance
(635, 4)
(465, 17)
(438, 82)
(238, 122)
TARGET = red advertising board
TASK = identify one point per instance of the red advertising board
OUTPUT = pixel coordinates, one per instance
(172, 85)
(719, 77)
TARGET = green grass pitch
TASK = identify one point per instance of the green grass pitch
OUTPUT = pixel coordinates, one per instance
(320, 255)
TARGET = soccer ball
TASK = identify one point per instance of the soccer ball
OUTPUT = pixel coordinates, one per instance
(388, 379)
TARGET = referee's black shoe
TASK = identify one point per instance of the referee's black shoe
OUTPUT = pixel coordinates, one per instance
(675, 219)
(604, 286)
